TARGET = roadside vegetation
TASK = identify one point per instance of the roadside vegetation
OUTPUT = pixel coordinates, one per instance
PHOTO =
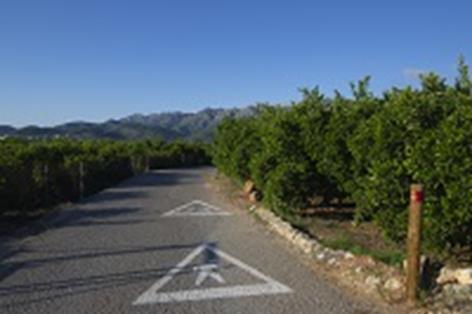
(36, 175)
(357, 157)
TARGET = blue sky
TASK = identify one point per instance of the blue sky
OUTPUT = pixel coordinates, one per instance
(94, 60)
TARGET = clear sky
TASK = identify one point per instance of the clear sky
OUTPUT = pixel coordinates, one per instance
(97, 59)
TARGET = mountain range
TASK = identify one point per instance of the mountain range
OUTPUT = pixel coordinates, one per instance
(169, 126)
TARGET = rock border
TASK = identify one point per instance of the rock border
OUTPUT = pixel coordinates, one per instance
(375, 277)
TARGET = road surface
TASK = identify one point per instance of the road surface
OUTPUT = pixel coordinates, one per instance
(163, 242)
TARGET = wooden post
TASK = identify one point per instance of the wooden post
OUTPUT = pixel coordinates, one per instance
(81, 180)
(414, 243)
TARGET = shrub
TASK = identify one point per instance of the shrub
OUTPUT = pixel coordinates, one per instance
(40, 174)
(367, 149)
(236, 141)
(443, 161)
(383, 149)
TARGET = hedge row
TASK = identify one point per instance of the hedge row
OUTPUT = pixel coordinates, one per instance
(367, 150)
(41, 174)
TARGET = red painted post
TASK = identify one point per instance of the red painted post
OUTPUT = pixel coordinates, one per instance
(414, 243)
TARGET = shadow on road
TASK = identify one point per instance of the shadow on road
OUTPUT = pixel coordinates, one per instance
(78, 215)
(91, 253)
(73, 218)
(90, 217)
(166, 177)
(114, 195)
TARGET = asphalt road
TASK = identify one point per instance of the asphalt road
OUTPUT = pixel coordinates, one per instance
(137, 248)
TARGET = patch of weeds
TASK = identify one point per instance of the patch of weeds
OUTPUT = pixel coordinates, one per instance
(342, 242)
(294, 220)
(392, 257)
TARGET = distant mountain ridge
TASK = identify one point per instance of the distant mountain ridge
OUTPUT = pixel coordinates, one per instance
(168, 125)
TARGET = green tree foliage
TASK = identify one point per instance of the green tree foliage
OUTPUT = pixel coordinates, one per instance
(282, 148)
(366, 149)
(382, 148)
(41, 174)
(237, 140)
(443, 160)
(463, 81)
